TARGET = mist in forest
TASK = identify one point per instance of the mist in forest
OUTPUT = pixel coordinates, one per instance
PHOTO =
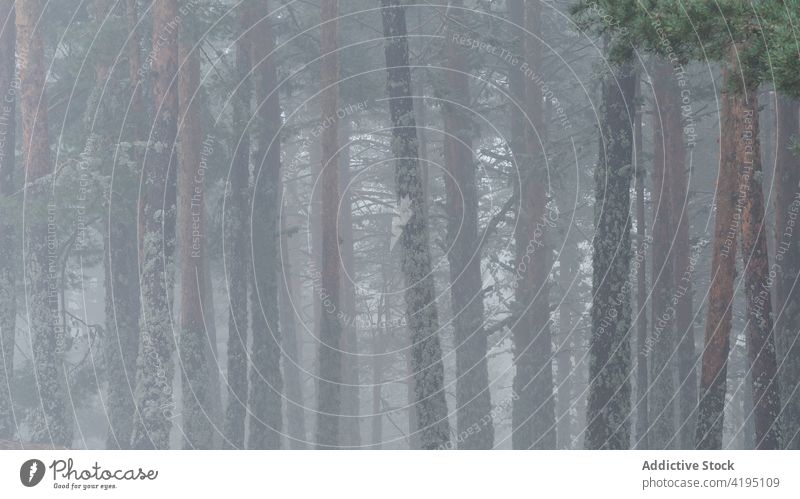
(389, 224)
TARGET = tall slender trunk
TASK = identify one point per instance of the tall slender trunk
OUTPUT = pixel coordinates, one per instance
(329, 392)
(292, 364)
(787, 265)
(266, 382)
(120, 255)
(533, 413)
(683, 271)
(420, 295)
(568, 260)
(154, 396)
(757, 279)
(608, 407)
(661, 344)
(193, 343)
(642, 409)
(351, 432)
(714, 369)
(40, 250)
(8, 231)
(236, 229)
(473, 401)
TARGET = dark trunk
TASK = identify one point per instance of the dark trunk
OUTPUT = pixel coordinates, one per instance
(51, 423)
(266, 382)
(193, 340)
(237, 229)
(8, 231)
(608, 407)
(473, 402)
(787, 266)
(329, 391)
(423, 322)
(661, 345)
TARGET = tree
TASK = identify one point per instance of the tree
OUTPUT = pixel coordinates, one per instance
(330, 334)
(608, 424)
(266, 382)
(193, 342)
(421, 313)
(8, 278)
(351, 428)
(154, 396)
(787, 262)
(236, 224)
(642, 386)
(121, 245)
(663, 373)
(713, 380)
(473, 402)
(533, 414)
(51, 424)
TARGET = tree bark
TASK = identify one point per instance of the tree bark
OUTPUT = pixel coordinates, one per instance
(473, 401)
(757, 279)
(51, 423)
(426, 350)
(714, 370)
(683, 271)
(193, 341)
(642, 409)
(121, 253)
(236, 229)
(8, 230)
(266, 381)
(329, 391)
(608, 407)
(154, 396)
(661, 345)
(787, 266)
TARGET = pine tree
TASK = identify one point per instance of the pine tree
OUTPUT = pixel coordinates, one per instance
(52, 424)
(608, 422)
(421, 313)
(154, 396)
(236, 241)
(8, 212)
(195, 150)
(473, 401)
(266, 382)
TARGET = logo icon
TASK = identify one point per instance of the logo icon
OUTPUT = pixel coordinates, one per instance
(31, 472)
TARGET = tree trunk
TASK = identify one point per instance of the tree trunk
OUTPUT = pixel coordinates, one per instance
(642, 409)
(787, 266)
(473, 401)
(661, 345)
(51, 424)
(193, 342)
(420, 295)
(351, 432)
(757, 279)
(237, 227)
(568, 260)
(533, 413)
(714, 370)
(292, 365)
(8, 230)
(683, 270)
(329, 392)
(266, 382)
(608, 407)
(154, 396)
(120, 257)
